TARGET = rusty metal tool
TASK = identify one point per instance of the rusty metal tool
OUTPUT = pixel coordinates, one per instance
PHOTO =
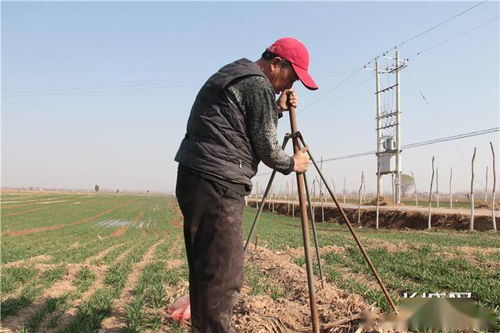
(261, 207)
(305, 230)
(348, 223)
(315, 235)
(302, 189)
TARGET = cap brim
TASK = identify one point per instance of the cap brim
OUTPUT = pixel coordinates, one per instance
(305, 78)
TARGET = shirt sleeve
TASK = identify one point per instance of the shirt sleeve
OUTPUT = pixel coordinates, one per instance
(255, 97)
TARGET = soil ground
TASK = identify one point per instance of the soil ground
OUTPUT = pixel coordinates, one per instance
(392, 216)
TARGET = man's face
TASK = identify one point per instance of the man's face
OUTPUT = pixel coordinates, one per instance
(282, 76)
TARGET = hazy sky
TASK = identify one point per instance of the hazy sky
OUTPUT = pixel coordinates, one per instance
(99, 92)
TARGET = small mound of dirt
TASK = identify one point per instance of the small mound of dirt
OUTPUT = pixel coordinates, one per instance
(382, 201)
(291, 312)
(486, 205)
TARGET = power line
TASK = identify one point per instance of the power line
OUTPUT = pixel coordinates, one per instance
(423, 143)
(331, 89)
(452, 38)
(435, 113)
(451, 138)
(428, 30)
(311, 115)
(85, 88)
(416, 144)
(104, 84)
(395, 47)
(117, 86)
(194, 80)
(327, 72)
(441, 23)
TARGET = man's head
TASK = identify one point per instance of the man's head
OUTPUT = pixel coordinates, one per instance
(286, 61)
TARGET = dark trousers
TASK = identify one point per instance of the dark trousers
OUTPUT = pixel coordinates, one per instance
(213, 216)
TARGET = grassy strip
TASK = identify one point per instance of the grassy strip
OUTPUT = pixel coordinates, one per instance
(49, 307)
(92, 312)
(281, 232)
(8, 197)
(163, 250)
(150, 293)
(53, 308)
(334, 233)
(55, 214)
(349, 284)
(84, 279)
(434, 273)
(441, 237)
(14, 277)
(12, 305)
(99, 306)
(52, 242)
(75, 244)
(415, 270)
(370, 294)
(57, 242)
(113, 254)
(20, 205)
(32, 291)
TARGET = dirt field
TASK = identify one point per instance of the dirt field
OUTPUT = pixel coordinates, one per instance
(113, 263)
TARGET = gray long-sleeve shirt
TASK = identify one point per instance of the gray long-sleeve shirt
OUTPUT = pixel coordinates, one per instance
(255, 97)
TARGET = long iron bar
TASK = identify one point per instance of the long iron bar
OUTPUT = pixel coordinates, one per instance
(305, 227)
(263, 201)
(311, 214)
(346, 220)
(261, 207)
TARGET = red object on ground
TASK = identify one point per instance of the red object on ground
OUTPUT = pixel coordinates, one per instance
(181, 309)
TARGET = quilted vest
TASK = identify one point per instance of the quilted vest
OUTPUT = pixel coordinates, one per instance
(216, 141)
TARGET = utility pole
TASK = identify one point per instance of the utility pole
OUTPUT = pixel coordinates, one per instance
(389, 125)
(321, 195)
(344, 190)
(379, 143)
(451, 194)
(486, 187)
(437, 187)
(398, 132)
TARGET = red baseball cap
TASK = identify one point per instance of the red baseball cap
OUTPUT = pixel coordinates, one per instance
(296, 53)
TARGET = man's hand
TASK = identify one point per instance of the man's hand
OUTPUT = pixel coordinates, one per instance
(301, 159)
(287, 98)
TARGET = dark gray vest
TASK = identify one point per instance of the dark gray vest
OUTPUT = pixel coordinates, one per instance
(217, 141)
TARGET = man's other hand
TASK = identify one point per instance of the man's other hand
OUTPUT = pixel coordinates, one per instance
(287, 99)
(301, 159)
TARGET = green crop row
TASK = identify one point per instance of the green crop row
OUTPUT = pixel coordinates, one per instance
(32, 289)
(419, 266)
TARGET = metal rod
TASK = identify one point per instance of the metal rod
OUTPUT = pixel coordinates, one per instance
(386, 115)
(305, 227)
(261, 206)
(398, 133)
(322, 196)
(346, 220)
(311, 214)
(385, 89)
(493, 190)
(378, 195)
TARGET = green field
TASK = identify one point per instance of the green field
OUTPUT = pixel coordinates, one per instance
(81, 262)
